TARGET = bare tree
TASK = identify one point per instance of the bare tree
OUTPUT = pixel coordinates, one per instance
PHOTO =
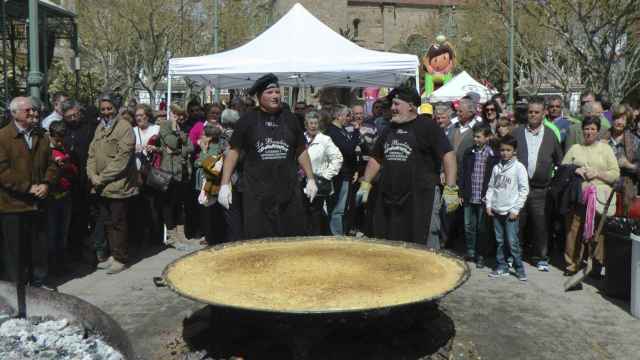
(589, 41)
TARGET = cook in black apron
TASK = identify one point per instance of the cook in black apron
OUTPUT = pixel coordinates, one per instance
(408, 153)
(273, 145)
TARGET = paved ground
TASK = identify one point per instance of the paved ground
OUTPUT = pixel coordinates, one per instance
(499, 319)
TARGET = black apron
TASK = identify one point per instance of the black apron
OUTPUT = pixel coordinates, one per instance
(406, 189)
(272, 200)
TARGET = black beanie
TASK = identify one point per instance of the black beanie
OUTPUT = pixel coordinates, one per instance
(405, 93)
(263, 83)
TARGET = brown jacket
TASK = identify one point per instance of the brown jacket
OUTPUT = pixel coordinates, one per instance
(20, 168)
(111, 165)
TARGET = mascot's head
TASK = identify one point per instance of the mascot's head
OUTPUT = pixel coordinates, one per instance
(440, 56)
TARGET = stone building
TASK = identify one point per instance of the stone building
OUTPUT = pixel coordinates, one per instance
(374, 24)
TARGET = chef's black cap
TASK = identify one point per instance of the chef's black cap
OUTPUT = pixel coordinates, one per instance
(405, 93)
(263, 83)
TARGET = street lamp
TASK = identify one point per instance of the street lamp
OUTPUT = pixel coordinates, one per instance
(35, 77)
(216, 32)
(511, 59)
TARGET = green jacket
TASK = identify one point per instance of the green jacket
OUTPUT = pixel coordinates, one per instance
(111, 165)
(176, 152)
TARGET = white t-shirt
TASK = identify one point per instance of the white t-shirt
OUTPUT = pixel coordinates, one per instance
(142, 138)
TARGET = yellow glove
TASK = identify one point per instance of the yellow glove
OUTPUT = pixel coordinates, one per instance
(363, 193)
(451, 198)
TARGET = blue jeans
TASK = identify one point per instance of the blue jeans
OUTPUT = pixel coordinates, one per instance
(474, 230)
(507, 230)
(337, 214)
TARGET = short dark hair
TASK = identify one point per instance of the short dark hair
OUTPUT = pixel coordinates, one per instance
(509, 140)
(536, 100)
(591, 120)
(482, 128)
(57, 129)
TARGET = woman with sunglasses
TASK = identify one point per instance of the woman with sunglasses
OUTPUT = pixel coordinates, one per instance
(490, 114)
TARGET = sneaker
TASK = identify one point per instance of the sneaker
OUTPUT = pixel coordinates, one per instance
(522, 277)
(543, 266)
(498, 273)
(116, 267)
(510, 263)
(103, 265)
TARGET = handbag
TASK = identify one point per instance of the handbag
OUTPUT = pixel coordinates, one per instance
(158, 179)
(325, 187)
(153, 176)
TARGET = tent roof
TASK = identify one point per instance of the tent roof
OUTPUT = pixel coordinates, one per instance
(301, 51)
(458, 87)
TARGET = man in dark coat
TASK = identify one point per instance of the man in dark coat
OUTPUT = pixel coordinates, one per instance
(80, 131)
(540, 152)
(26, 170)
(274, 146)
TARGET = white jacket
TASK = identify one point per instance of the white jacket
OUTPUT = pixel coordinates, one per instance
(326, 158)
(508, 187)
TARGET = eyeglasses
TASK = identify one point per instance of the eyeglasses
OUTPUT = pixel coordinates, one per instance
(490, 109)
(29, 110)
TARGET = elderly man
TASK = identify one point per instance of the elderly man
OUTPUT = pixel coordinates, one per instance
(26, 169)
(539, 151)
(461, 136)
(274, 146)
(112, 171)
(56, 115)
(442, 116)
(408, 155)
(574, 134)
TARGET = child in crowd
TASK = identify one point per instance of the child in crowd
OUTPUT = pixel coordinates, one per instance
(506, 195)
(208, 174)
(59, 201)
(477, 163)
(504, 127)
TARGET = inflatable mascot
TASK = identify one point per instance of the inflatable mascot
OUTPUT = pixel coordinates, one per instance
(437, 65)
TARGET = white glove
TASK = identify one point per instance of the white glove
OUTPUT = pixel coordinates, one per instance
(311, 190)
(224, 196)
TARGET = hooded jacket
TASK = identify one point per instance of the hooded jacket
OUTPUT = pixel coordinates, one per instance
(508, 187)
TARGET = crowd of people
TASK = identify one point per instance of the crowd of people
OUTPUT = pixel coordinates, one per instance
(96, 184)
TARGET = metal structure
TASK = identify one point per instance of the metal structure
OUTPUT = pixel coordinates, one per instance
(512, 25)
(54, 23)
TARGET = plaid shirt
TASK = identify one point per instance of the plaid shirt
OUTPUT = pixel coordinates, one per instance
(480, 157)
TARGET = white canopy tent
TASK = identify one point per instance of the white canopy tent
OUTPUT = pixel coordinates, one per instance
(301, 51)
(458, 87)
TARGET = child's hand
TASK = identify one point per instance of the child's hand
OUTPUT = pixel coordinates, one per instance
(513, 216)
(489, 212)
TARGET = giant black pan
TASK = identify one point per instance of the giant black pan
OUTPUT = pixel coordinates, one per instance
(367, 312)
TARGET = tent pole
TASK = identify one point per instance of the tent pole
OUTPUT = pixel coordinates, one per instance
(168, 110)
(418, 83)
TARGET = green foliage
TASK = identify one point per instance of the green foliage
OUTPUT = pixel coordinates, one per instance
(65, 81)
